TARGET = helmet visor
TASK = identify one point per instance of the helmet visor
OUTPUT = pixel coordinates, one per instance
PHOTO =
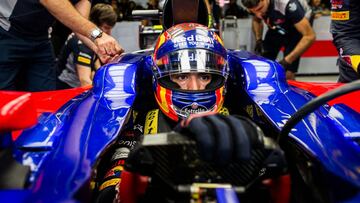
(190, 60)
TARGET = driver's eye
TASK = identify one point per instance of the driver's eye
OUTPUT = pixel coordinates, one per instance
(179, 77)
(205, 77)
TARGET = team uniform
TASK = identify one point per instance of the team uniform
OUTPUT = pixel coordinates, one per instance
(25, 45)
(280, 18)
(345, 28)
(74, 52)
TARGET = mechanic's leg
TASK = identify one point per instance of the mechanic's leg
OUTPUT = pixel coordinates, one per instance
(272, 44)
(40, 73)
(347, 71)
(8, 74)
(349, 63)
(10, 60)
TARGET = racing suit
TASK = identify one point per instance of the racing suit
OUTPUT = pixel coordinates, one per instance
(25, 46)
(154, 122)
(280, 18)
(345, 28)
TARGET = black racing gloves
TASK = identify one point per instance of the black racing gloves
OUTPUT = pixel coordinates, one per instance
(222, 139)
(259, 47)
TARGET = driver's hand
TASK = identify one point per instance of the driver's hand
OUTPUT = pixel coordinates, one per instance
(222, 139)
(107, 48)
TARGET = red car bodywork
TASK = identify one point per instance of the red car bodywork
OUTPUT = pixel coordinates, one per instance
(19, 110)
(318, 88)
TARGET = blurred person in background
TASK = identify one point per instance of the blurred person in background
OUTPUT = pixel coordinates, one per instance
(152, 5)
(345, 28)
(288, 26)
(318, 10)
(234, 9)
(77, 63)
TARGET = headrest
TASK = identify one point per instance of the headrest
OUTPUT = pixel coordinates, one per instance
(184, 11)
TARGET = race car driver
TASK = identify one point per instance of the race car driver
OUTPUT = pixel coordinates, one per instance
(190, 72)
(345, 28)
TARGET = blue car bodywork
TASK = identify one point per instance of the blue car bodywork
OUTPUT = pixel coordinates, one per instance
(63, 148)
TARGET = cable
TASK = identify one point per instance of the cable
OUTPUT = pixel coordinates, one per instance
(316, 103)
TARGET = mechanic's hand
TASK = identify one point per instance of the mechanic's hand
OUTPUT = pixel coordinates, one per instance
(284, 64)
(259, 47)
(107, 48)
(220, 138)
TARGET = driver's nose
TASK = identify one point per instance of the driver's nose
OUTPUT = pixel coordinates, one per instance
(193, 83)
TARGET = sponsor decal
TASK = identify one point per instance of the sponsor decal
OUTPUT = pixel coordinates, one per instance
(352, 60)
(340, 15)
(84, 55)
(84, 60)
(127, 143)
(191, 56)
(292, 6)
(194, 108)
(123, 152)
(193, 40)
(119, 162)
(139, 128)
(116, 171)
(337, 4)
(109, 183)
(224, 111)
(151, 122)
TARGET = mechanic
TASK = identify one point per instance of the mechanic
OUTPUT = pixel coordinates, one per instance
(25, 44)
(190, 72)
(345, 29)
(288, 26)
(78, 63)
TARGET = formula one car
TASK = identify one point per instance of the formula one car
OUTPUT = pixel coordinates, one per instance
(52, 144)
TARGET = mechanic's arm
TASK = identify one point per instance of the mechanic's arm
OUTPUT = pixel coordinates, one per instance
(83, 7)
(257, 27)
(308, 37)
(66, 13)
(84, 74)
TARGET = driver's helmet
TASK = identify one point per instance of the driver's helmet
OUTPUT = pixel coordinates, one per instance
(189, 48)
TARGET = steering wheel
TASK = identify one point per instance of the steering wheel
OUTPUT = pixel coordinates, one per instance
(167, 166)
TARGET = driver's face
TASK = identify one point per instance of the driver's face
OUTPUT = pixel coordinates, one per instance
(260, 9)
(191, 81)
